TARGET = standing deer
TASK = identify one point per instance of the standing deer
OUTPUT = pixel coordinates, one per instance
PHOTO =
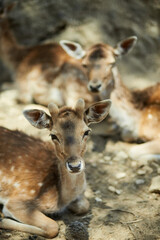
(136, 112)
(43, 73)
(38, 178)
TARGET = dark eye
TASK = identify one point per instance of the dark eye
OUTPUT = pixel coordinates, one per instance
(86, 133)
(84, 65)
(54, 137)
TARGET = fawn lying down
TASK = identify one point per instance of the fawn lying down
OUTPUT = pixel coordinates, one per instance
(137, 113)
(38, 177)
(43, 73)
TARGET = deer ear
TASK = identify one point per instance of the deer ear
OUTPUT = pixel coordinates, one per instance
(38, 118)
(97, 112)
(73, 49)
(125, 46)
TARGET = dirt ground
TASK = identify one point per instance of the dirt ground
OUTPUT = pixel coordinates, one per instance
(121, 206)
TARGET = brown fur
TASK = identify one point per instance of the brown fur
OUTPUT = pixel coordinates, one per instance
(32, 177)
(147, 96)
(43, 73)
(136, 112)
(37, 177)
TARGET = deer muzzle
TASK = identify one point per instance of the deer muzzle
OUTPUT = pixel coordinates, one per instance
(75, 164)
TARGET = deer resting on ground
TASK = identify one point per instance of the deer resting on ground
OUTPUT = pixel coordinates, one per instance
(137, 113)
(37, 178)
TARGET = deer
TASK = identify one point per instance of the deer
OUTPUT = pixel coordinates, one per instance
(43, 73)
(37, 177)
(136, 112)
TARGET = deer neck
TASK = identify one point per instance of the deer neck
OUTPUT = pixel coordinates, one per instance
(71, 185)
(123, 110)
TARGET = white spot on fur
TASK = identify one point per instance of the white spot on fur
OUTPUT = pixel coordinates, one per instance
(150, 116)
(40, 184)
(16, 184)
(4, 179)
(32, 191)
(12, 168)
(9, 181)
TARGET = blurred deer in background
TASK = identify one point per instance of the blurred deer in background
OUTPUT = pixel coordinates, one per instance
(38, 178)
(43, 73)
(137, 113)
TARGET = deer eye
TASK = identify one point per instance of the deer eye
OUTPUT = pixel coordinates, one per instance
(54, 137)
(84, 65)
(86, 133)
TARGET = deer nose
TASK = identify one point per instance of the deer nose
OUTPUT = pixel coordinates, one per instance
(95, 88)
(74, 166)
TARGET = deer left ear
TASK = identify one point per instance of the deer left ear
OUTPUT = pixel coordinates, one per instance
(73, 49)
(97, 112)
(125, 46)
(38, 118)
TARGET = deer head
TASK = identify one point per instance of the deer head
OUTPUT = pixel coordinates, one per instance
(69, 129)
(99, 60)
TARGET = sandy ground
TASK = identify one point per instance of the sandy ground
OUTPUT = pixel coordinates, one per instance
(122, 208)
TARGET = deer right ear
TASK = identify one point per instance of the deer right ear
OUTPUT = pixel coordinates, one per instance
(72, 49)
(125, 46)
(97, 112)
(38, 118)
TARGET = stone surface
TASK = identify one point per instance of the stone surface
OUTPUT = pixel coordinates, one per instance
(76, 231)
(155, 185)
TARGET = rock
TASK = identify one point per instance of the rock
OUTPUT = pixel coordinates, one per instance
(120, 175)
(76, 231)
(33, 237)
(107, 158)
(121, 155)
(114, 190)
(141, 172)
(98, 199)
(133, 164)
(155, 185)
(139, 181)
(8, 235)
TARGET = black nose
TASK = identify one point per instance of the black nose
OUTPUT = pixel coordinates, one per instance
(74, 167)
(95, 88)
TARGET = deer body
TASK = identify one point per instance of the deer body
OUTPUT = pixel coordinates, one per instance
(33, 173)
(137, 113)
(43, 72)
(37, 177)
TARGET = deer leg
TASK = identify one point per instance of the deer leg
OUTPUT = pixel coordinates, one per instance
(149, 150)
(29, 219)
(80, 205)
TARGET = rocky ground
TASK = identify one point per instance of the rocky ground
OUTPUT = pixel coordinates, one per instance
(123, 206)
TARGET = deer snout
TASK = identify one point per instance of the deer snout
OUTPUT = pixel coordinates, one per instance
(75, 164)
(95, 85)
